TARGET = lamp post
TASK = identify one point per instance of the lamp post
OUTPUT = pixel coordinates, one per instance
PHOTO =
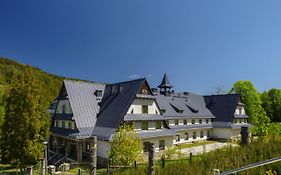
(46, 157)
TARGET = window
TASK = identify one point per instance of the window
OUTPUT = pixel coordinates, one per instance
(186, 136)
(144, 91)
(145, 109)
(194, 135)
(145, 146)
(158, 125)
(132, 111)
(98, 93)
(57, 123)
(200, 121)
(167, 122)
(63, 108)
(162, 111)
(208, 133)
(176, 122)
(184, 122)
(144, 125)
(156, 112)
(193, 121)
(207, 121)
(177, 138)
(69, 124)
(63, 124)
(161, 144)
(201, 134)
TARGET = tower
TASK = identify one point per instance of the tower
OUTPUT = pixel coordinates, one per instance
(165, 86)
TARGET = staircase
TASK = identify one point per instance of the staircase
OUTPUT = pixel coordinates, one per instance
(57, 159)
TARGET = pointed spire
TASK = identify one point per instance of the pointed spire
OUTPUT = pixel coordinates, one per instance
(165, 82)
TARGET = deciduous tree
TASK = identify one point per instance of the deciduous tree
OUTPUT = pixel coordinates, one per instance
(251, 99)
(26, 122)
(271, 103)
(125, 146)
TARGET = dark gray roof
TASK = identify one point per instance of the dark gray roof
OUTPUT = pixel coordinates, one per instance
(223, 106)
(156, 133)
(143, 117)
(165, 82)
(82, 133)
(103, 133)
(189, 127)
(230, 125)
(188, 105)
(116, 102)
(83, 102)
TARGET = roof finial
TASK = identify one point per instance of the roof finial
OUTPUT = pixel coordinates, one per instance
(165, 86)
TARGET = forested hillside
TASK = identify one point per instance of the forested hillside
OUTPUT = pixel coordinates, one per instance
(10, 70)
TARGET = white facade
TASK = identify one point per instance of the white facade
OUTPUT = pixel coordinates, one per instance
(137, 106)
(168, 142)
(188, 136)
(226, 133)
(103, 148)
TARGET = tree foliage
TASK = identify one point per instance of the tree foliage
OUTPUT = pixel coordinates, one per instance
(271, 103)
(125, 146)
(250, 97)
(26, 122)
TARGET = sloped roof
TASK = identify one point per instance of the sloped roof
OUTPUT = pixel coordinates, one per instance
(195, 126)
(83, 102)
(143, 117)
(189, 106)
(156, 133)
(115, 104)
(223, 106)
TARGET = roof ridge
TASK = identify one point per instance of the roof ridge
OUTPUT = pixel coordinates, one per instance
(129, 81)
(82, 81)
(221, 95)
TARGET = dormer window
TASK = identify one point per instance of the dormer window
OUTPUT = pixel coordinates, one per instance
(98, 93)
(162, 111)
(177, 109)
(63, 108)
(192, 109)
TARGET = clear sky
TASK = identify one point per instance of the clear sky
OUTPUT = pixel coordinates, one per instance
(200, 44)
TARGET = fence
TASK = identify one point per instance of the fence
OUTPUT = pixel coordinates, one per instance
(254, 165)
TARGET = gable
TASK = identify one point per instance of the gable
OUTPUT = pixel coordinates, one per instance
(145, 89)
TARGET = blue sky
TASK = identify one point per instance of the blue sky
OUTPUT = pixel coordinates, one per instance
(200, 44)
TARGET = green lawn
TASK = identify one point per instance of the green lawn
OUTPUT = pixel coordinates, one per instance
(199, 143)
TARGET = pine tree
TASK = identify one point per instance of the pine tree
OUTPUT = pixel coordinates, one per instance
(26, 122)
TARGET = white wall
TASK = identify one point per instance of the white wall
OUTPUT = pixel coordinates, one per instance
(138, 103)
(225, 133)
(168, 142)
(103, 148)
(240, 110)
(67, 107)
(151, 125)
(190, 136)
(189, 121)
